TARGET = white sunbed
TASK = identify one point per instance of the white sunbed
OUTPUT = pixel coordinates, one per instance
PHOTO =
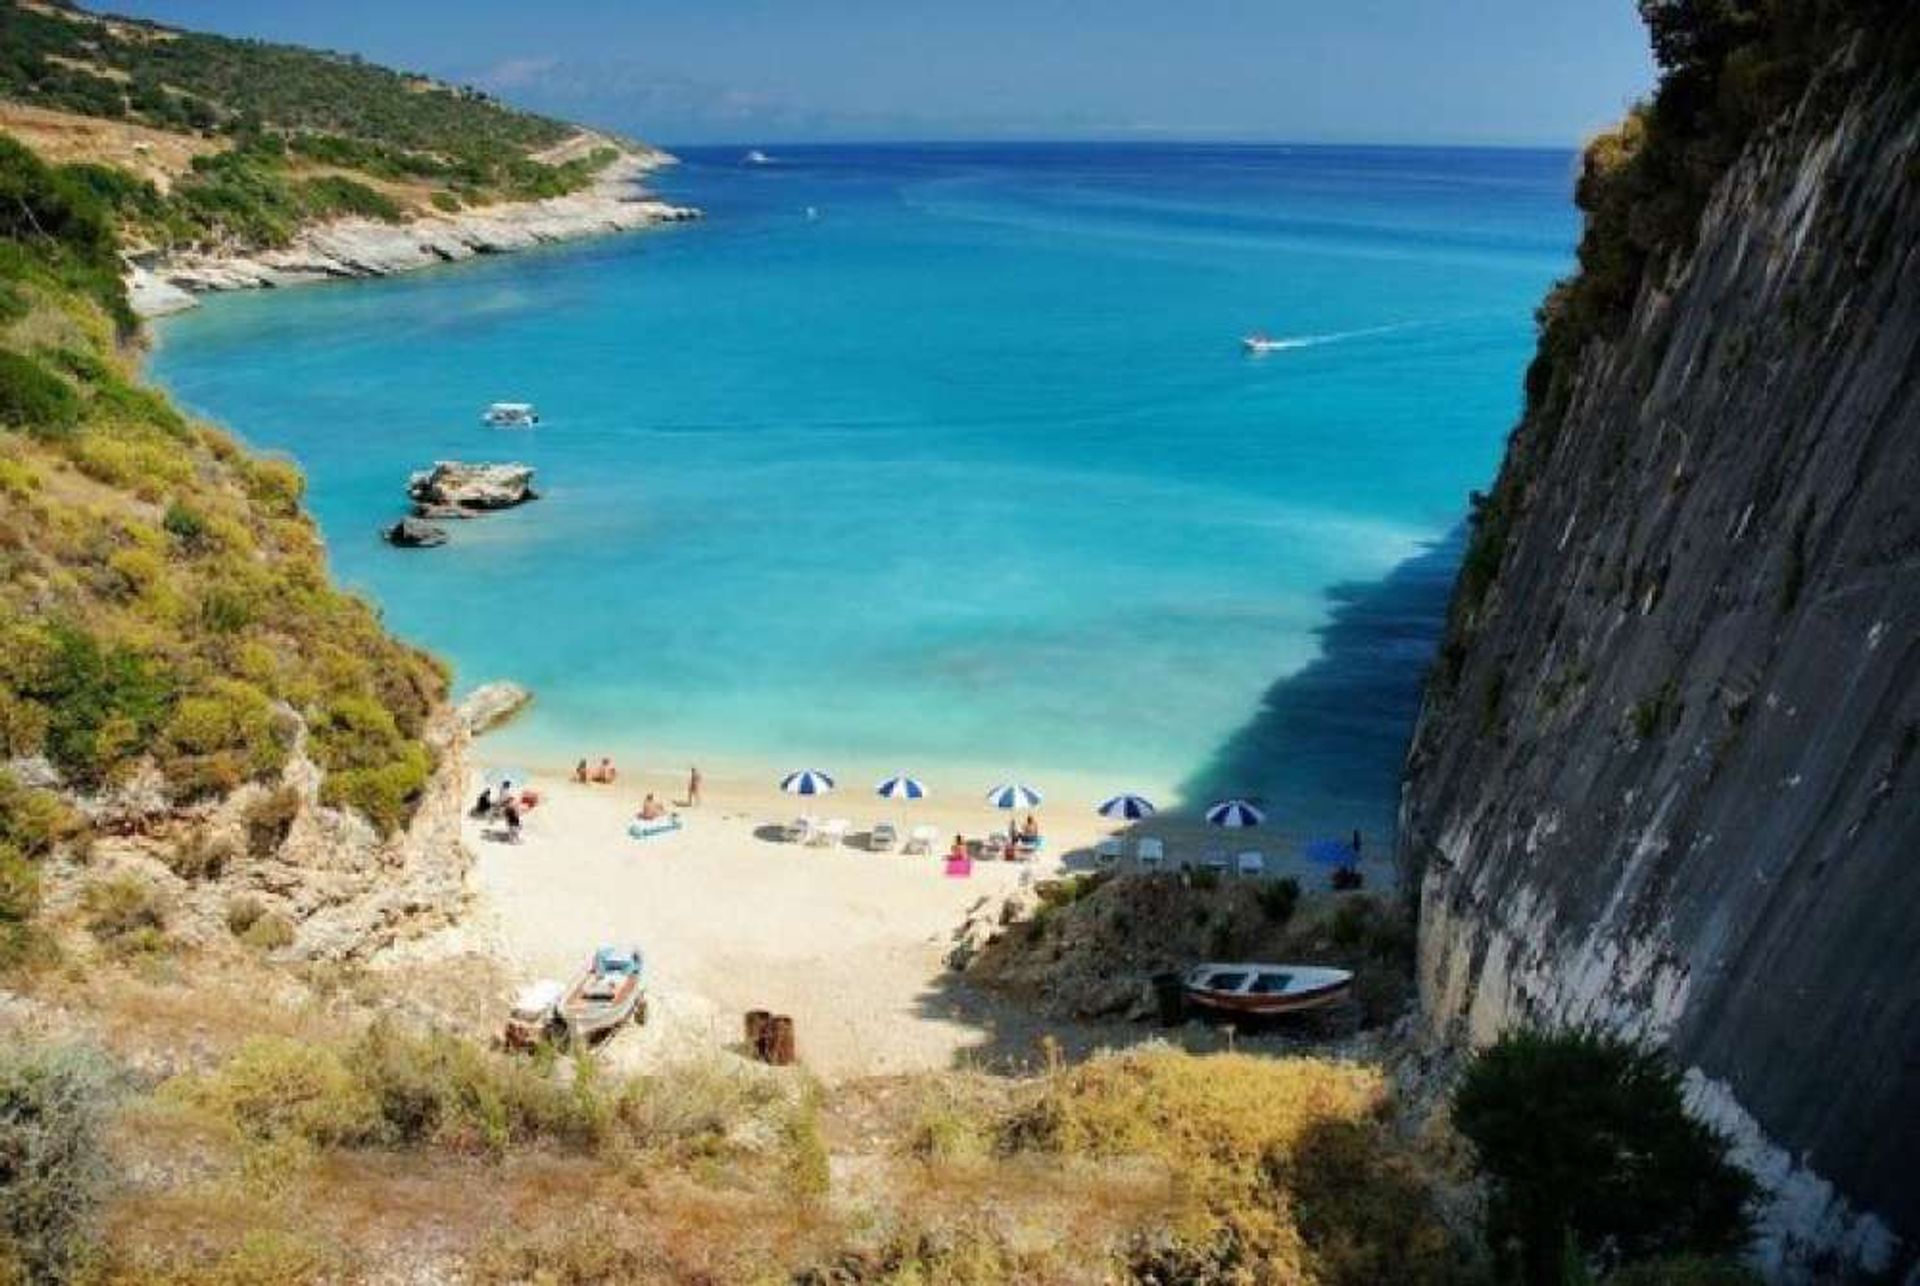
(1150, 853)
(1217, 861)
(801, 830)
(1252, 862)
(832, 832)
(1107, 851)
(921, 839)
(882, 838)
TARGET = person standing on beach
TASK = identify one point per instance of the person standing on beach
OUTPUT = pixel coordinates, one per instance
(693, 786)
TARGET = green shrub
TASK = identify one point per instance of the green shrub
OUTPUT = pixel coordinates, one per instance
(1593, 1156)
(126, 913)
(186, 525)
(218, 739)
(34, 399)
(276, 1089)
(101, 702)
(243, 912)
(1278, 898)
(200, 855)
(269, 818)
(270, 932)
(53, 1161)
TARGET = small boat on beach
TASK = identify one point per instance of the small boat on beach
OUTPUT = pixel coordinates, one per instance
(611, 991)
(1266, 990)
(511, 415)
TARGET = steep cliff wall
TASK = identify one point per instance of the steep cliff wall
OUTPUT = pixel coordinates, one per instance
(1664, 777)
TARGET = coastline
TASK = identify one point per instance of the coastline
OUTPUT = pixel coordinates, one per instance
(159, 284)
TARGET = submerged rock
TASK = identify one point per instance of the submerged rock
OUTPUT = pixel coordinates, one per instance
(452, 489)
(411, 533)
(492, 704)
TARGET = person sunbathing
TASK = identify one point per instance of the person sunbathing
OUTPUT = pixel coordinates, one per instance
(958, 853)
(604, 773)
(580, 773)
(651, 809)
(1030, 833)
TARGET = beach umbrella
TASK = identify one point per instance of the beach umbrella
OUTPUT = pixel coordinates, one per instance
(901, 786)
(1130, 808)
(1013, 795)
(498, 777)
(1234, 814)
(1333, 852)
(807, 781)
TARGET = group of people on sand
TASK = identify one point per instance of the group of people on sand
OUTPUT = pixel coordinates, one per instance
(601, 774)
(1021, 842)
(503, 804)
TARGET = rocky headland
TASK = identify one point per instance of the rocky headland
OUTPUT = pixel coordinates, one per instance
(160, 282)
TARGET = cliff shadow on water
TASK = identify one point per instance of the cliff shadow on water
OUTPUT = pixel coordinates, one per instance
(1323, 752)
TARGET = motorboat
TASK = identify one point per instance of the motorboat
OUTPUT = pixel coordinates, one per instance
(1265, 990)
(610, 991)
(511, 415)
(1258, 343)
(757, 157)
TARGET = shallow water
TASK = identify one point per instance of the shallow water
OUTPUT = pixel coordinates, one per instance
(966, 474)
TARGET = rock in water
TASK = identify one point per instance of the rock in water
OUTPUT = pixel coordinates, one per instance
(492, 704)
(411, 533)
(452, 489)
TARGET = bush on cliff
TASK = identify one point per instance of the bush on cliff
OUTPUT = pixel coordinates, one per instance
(53, 1166)
(1593, 1157)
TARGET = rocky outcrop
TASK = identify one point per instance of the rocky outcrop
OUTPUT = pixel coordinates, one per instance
(350, 248)
(452, 489)
(1665, 779)
(412, 533)
(490, 705)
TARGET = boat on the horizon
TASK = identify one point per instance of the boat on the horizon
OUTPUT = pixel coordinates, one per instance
(611, 991)
(755, 156)
(511, 415)
(1266, 990)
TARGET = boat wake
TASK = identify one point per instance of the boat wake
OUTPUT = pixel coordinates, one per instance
(1287, 343)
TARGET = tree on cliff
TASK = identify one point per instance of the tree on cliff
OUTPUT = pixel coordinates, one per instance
(1593, 1157)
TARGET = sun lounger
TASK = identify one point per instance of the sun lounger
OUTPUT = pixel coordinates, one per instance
(882, 838)
(1150, 853)
(658, 826)
(921, 839)
(801, 830)
(1252, 862)
(1107, 851)
(832, 832)
(1217, 861)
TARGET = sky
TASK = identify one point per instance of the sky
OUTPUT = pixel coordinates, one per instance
(1524, 72)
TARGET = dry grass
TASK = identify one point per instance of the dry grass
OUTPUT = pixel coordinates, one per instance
(159, 156)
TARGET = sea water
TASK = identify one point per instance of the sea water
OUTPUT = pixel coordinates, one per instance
(945, 459)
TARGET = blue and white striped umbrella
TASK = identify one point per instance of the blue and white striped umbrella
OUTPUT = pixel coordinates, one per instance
(1234, 814)
(1013, 795)
(806, 782)
(1127, 807)
(901, 787)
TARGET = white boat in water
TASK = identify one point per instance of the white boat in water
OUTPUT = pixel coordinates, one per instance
(511, 415)
(1263, 990)
(1257, 343)
(757, 157)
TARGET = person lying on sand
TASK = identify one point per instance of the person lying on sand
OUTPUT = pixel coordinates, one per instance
(604, 773)
(651, 809)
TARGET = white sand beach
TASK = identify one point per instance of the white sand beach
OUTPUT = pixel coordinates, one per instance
(851, 943)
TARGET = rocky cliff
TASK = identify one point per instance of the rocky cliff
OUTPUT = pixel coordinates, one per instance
(1664, 778)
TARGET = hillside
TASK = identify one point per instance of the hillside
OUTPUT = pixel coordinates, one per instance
(202, 142)
(1663, 777)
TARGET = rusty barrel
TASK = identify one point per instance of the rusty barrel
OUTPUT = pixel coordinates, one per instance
(779, 1040)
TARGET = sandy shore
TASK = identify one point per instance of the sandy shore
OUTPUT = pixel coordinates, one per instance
(851, 943)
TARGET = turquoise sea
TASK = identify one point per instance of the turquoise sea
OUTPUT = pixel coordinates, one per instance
(964, 472)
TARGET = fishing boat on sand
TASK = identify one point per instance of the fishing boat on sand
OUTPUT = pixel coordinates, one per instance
(511, 415)
(1265, 990)
(611, 991)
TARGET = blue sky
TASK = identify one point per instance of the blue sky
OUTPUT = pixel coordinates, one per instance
(690, 71)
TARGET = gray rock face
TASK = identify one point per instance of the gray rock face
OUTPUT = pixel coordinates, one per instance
(1670, 785)
(349, 248)
(412, 533)
(492, 704)
(452, 489)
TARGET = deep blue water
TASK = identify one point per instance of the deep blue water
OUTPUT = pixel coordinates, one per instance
(966, 473)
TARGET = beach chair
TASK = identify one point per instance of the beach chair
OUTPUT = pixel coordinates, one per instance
(993, 847)
(882, 838)
(1107, 851)
(1252, 863)
(1150, 853)
(1217, 861)
(921, 839)
(799, 831)
(833, 831)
